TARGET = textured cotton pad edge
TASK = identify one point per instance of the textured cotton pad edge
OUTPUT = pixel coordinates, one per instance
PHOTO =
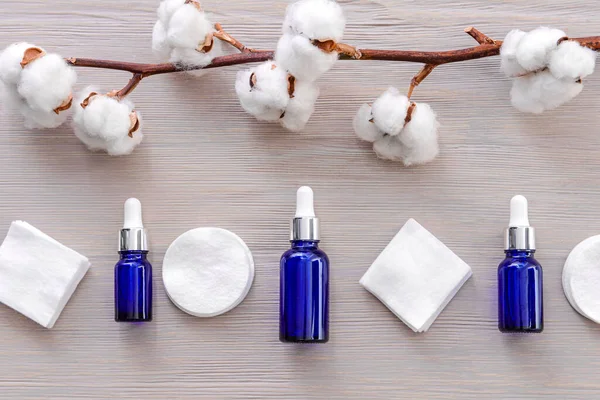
(566, 274)
(574, 283)
(190, 245)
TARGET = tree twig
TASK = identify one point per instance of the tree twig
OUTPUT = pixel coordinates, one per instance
(226, 37)
(479, 36)
(131, 85)
(420, 77)
(487, 47)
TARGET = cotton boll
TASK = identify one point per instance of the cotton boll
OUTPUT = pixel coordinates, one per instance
(572, 61)
(389, 111)
(539, 92)
(191, 57)
(36, 119)
(302, 59)
(364, 127)
(534, 48)
(10, 62)
(33, 119)
(315, 19)
(300, 107)
(160, 46)
(188, 27)
(126, 144)
(508, 51)
(420, 136)
(105, 123)
(47, 82)
(268, 98)
(167, 8)
(389, 148)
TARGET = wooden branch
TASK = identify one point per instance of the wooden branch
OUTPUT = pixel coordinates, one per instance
(131, 85)
(420, 77)
(479, 36)
(226, 37)
(487, 47)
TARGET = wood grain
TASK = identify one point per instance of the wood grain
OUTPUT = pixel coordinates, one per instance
(205, 163)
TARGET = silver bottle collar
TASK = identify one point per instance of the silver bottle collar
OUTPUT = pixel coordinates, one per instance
(305, 228)
(519, 238)
(133, 239)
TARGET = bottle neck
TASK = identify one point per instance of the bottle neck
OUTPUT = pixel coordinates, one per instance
(305, 244)
(519, 253)
(133, 255)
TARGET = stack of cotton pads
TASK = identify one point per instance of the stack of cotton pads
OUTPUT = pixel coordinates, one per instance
(208, 271)
(581, 278)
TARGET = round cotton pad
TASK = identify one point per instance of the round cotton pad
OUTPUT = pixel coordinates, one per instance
(208, 271)
(581, 278)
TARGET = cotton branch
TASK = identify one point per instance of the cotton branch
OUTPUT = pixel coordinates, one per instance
(487, 48)
(141, 71)
(420, 77)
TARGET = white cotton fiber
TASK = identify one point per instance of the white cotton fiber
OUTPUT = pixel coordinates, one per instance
(191, 57)
(300, 107)
(35, 119)
(160, 46)
(420, 136)
(572, 61)
(105, 124)
(364, 128)
(188, 27)
(389, 111)
(180, 34)
(38, 88)
(541, 91)
(534, 48)
(508, 54)
(47, 82)
(315, 19)
(269, 97)
(302, 59)
(10, 62)
(167, 8)
(389, 148)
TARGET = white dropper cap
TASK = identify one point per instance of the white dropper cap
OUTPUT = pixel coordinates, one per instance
(519, 234)
(305, 225)
(305, 202)
(518, 212)
(133, 214)
(133, 235)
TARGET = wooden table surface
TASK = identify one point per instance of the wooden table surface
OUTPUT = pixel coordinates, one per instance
(204, 162)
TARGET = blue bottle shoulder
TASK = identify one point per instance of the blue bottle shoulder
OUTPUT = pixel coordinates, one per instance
(520, 259)
(304, 251)
(133, 259)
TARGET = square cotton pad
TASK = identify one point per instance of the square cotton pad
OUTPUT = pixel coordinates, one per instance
(38, 275)
(416, 276)
(208, 271)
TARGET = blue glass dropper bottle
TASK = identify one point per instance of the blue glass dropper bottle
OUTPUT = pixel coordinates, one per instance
(304, 279)
(133, 272)
(520, 290)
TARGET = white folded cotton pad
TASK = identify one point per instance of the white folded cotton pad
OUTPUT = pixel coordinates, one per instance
(208, 271)
(38, 274)
(581, 278)
(416, 276)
